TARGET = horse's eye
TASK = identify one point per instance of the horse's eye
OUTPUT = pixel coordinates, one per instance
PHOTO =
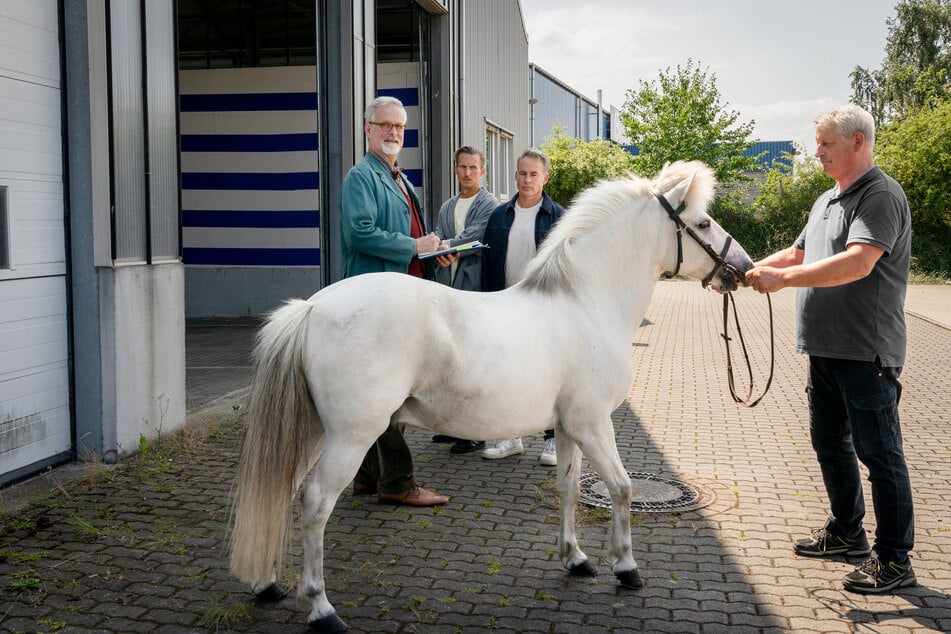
(704, 225)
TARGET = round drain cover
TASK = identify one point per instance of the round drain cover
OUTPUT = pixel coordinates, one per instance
(649, 494)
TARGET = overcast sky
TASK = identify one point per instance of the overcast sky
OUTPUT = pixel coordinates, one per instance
(776, 62)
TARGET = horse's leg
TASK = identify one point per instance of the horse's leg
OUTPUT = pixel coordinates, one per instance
(319, 492)
(604, 458)
(569, 477)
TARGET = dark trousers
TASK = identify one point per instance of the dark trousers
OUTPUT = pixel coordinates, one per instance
(853, 407)
(388, 466)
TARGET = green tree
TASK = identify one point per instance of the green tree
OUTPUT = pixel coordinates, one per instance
(917, 66)
(916, 152)
(679, 117)
(577, 164)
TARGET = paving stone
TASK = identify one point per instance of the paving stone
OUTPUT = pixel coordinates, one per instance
(489, 558)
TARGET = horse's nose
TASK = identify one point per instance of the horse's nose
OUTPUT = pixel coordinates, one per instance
(731, 278)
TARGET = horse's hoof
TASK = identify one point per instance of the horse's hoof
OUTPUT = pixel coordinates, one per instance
(584, 569)
(271, 594)
(329, 623)
(630, 579)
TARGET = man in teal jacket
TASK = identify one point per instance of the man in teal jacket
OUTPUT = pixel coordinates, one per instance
(382, 229)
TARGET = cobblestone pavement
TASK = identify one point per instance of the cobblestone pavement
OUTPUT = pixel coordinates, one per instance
(142, 547)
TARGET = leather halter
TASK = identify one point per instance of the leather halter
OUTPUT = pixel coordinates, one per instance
(719, 259)
(725, 269)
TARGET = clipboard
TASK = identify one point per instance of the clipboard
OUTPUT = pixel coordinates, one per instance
(468, 247)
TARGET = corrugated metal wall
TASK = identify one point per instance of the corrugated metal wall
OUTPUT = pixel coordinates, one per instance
(145, 189)
(555, 107)
(496, 63)
(128, 132)
(162, 131)
(558, 106)
(774, 153)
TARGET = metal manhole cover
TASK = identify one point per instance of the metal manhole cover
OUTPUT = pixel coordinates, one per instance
(650, 494)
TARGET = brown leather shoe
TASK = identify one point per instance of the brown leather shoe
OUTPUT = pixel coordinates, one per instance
(363, 489)
(417, 496)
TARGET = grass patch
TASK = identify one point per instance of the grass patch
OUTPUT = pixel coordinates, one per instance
(919, 277)
(17, 524)
(87, 530)
(224, 617)
(19, 558)
(23, 582)
(51, 625)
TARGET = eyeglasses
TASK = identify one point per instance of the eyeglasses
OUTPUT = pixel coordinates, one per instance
(387, 127)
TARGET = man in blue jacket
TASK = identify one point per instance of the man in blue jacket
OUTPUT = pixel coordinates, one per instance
(513, 234)
(382, 229)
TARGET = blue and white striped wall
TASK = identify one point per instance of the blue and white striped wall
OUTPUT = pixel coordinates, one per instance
(249, 167)
(250, 183)
(400, 80)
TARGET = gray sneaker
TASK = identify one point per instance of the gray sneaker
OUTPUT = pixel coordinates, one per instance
(825, 543)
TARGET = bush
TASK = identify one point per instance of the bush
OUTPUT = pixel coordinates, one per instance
(780, 209)
(578, 164)
(916, 151)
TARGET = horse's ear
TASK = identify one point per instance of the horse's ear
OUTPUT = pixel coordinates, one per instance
(679, 191)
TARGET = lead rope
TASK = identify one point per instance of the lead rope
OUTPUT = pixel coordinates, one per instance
(727, 300)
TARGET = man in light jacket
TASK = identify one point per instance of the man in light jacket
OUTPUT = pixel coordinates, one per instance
(462, 219)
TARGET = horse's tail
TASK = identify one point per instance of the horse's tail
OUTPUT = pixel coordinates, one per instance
(283, 440)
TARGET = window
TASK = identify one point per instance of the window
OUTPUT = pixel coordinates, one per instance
(398, 28)
(246, 33)
(500, 168)
(4, 229)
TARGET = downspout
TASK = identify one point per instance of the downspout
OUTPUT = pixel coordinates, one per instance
(600, 118)
(531, 105)
(147, 176)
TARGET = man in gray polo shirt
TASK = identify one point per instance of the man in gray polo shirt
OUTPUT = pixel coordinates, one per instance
(851, 265)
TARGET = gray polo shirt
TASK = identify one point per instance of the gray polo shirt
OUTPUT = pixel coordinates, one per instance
(865, 319)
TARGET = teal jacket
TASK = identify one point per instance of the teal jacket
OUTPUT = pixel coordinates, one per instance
(375, 220)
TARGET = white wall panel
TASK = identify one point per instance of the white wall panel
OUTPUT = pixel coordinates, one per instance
(262, 122)
(34, 389)
(29, 45)
(34, 376)
(241, 238)
(243, 200)
(264, 162)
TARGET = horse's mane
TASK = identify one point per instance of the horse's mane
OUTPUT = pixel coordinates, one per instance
(552, 267)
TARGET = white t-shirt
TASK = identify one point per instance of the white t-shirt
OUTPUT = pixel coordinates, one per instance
(521, 247)
(459, 214)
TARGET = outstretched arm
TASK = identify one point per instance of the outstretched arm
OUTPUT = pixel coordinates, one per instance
(785, 268)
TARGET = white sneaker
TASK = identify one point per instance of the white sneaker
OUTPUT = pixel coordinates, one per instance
(548, 457)
(503, 449)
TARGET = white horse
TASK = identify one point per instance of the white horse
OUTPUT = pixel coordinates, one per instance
(334, 371)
